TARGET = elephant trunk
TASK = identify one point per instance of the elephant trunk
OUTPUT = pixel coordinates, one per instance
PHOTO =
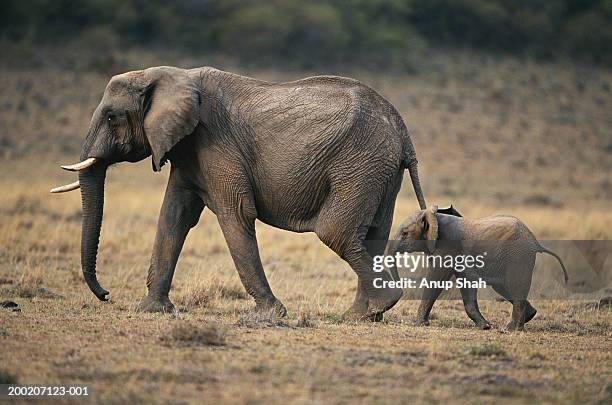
(416, 184)
(92, 196)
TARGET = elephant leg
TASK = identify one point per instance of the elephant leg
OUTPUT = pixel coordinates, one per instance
(351, 248)
(517, 322)
(375, 244)
(470, 303)
(349, 227)
(180, 212)
(529, 311)
(239, 233)
(380, 298)
(521, 314)
(430, 295)
(359, 309)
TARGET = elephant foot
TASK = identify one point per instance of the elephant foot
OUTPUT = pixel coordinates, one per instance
(379, 305)
(513, 327)
(421, 322)
(358, 311)
(272, 305)
(483, 325)
(155, 304)
(353, 315)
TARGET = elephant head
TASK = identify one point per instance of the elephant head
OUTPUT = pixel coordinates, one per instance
(142, 113)
(419, 232)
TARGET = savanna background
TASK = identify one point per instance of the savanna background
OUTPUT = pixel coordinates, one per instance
(508, 104)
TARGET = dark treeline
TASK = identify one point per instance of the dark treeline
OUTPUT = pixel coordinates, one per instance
(380, 33)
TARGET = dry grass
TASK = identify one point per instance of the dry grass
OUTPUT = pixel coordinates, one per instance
(188, 333)
(304, 319)
(491, 137)
(488, 349)
(206, 294)
(261, 319)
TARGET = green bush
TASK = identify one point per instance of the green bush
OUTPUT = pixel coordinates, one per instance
(377, 33)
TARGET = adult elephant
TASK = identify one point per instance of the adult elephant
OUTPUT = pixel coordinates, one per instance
(324, 154)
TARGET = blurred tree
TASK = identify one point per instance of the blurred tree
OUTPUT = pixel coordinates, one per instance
(376, 33)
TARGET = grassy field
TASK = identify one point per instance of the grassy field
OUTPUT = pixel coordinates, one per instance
(491, 136)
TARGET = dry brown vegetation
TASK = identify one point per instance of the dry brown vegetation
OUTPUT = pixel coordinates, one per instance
(491, 136)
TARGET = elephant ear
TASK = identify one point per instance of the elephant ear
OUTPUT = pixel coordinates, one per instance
(450, 211)
(171, 105)
(431, 228)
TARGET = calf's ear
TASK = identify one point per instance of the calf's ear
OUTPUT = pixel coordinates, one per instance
(450, 211)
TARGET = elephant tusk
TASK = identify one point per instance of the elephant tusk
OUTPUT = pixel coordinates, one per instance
(67, 187)
(81, 165)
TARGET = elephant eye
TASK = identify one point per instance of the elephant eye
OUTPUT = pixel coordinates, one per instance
(112, 119)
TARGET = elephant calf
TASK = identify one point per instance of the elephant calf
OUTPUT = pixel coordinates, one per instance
(507, 246)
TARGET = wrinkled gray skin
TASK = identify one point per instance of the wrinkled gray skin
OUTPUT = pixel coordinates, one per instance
(510, 258)
(323, 154)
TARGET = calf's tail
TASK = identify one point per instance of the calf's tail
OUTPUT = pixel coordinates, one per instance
(550, 252)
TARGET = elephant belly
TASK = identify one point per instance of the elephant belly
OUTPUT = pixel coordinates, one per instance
(291, 204)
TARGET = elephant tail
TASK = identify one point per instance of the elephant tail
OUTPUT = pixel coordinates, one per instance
(550, 252)
(409, 161)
